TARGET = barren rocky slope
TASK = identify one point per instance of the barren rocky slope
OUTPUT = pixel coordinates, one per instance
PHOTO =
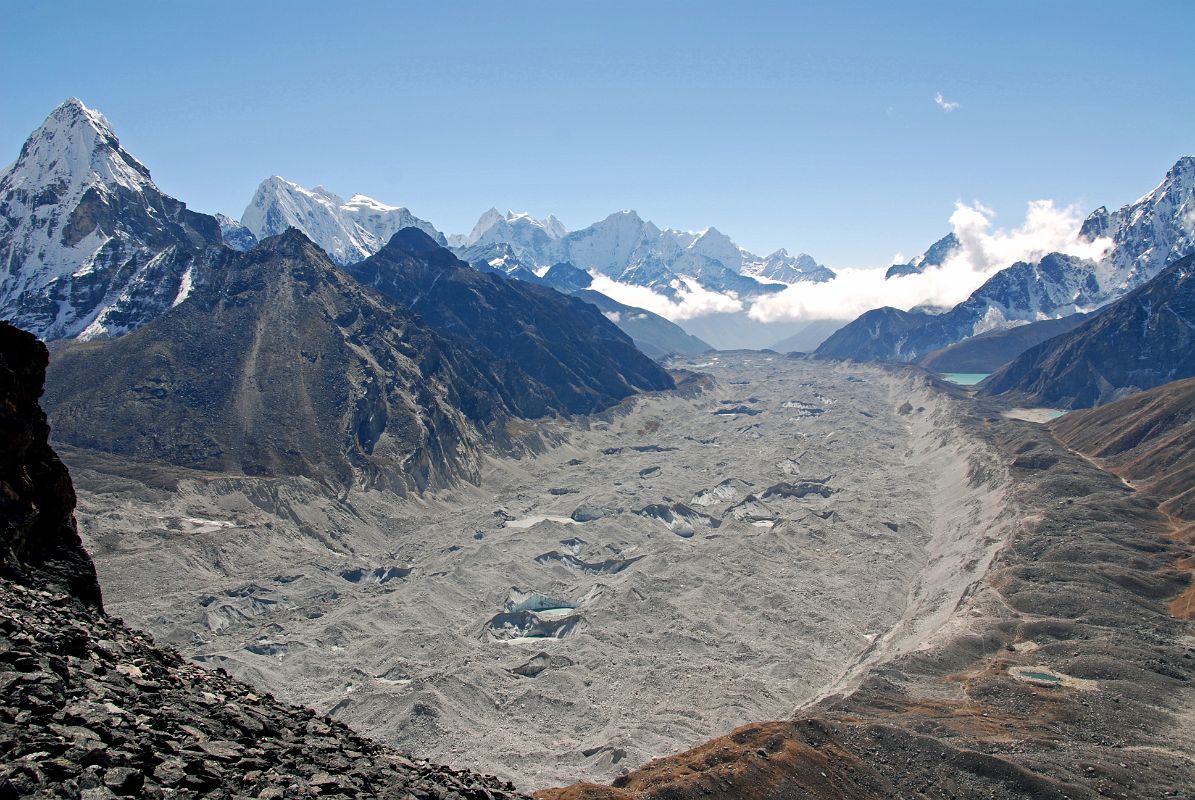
(989, 351)
(1062, 674)
(370, 395)
(1147, 438)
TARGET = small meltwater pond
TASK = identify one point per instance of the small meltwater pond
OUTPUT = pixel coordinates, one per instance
(965, 378)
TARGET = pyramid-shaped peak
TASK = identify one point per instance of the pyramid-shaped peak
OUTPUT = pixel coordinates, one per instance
(411, 240)
(72, 115)
(291, 242)
(74, 147)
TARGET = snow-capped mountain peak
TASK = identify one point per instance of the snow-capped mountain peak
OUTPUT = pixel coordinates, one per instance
(90, 246)
(75, 148)
(1148, 234)
(348, 231)
(512, 227)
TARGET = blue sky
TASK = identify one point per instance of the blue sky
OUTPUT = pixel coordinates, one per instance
(811, 127)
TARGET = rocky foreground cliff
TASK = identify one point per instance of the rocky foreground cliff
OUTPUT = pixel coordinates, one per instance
(91, 708)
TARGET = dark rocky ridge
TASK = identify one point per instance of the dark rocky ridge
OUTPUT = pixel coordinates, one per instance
(91, 708)
(1141, 341)
(284, 365)
(39, 543)
(989, 351)
(571, 359)
(870, 336)
(655, 336)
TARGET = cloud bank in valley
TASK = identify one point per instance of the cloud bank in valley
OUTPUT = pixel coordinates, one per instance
(691, 300)
(983, 251)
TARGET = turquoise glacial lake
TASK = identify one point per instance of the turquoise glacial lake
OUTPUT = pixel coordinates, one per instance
(965, 378)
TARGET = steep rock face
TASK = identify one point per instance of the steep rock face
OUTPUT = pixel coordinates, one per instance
(1143, 340)
(283, 365)
(347, 230)
(90, 247)
(39, 543)
(558, 354)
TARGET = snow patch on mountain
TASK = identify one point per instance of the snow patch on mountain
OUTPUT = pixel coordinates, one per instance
(235, 235)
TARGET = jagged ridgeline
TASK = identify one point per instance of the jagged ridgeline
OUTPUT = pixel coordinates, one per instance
(280, 363)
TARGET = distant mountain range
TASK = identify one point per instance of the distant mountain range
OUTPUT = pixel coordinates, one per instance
(92, 248)
(347, 230)
(1144, 235)
(623, 246)
(396, 367)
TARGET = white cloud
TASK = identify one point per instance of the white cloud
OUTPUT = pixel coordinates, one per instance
(694, 300)
(982, 252)
(944, 104)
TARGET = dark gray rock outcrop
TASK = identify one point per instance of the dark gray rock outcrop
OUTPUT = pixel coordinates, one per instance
(39, 543)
